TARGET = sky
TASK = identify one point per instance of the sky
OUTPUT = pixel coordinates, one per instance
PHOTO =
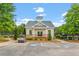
(53, 12)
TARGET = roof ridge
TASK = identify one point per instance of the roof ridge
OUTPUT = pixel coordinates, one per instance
(47, 23)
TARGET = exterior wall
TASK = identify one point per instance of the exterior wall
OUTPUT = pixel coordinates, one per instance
(27, 31)
(45, 33)
(52, 33)
(34, 33)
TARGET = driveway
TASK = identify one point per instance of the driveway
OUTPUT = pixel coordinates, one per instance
(40, 49)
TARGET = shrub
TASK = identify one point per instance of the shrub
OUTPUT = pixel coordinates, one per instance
(16, 34)
(49, 35)
(29, 38)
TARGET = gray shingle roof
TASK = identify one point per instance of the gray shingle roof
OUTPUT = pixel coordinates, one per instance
(32, 23)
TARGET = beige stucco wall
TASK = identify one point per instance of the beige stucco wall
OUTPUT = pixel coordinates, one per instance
(45, 32)
(34, 32)
(27, 31)
(52, 33)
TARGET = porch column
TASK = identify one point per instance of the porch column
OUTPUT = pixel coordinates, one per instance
(52, 33)
(33, 32)
(46, 33)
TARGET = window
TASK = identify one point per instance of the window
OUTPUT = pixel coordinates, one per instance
(30, 32)
(40, 33)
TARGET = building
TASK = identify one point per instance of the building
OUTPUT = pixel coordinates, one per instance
(39, 29)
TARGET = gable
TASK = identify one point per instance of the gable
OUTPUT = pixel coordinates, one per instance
(48, 23)
(39, 25)
(31, 24)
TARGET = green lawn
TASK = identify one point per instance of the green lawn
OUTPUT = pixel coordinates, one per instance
(3, 39)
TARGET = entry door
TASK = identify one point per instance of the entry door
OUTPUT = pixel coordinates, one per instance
(40, 33)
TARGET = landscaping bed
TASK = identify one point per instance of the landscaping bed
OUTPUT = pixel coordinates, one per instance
(73, 41)
(45, 41)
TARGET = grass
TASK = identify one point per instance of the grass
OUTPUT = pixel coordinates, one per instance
(2, 39)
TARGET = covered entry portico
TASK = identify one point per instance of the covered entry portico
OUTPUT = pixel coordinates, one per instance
(40, 34)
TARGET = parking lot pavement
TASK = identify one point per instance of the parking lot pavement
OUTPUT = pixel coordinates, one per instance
(40, 49)
(13, 49)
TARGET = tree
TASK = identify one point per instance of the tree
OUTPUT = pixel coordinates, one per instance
(21, 29)
(72, 19)
(71, 22)
(16, 34)
(6, 17)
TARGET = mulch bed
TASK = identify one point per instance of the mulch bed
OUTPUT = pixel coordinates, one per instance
(39, 41)
(73, 41)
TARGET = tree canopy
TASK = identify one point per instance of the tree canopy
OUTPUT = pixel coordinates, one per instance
(71, 26)
(21, 29)
(72, 19)
(6, 17)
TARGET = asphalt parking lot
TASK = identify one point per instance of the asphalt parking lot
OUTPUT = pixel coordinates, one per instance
(40, 49)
